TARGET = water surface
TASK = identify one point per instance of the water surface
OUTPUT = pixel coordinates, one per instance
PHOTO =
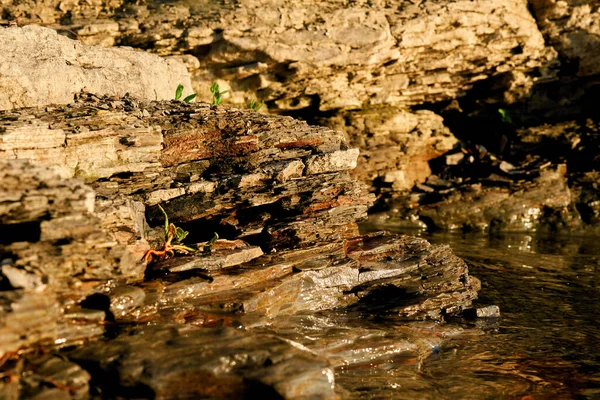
(544, 345)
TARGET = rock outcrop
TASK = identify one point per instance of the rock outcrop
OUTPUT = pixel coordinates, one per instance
(365, 67)
(277, 191)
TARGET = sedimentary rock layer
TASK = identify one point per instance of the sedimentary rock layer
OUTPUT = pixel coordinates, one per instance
(321, 54)
(237, 172)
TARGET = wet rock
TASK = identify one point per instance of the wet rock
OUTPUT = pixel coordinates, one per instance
(488, 312)
(543, 203)
(65, 379)
(411, 278)
(216, 259)
(80, 324)
(177, 361)
(27, 319)
(34, 75)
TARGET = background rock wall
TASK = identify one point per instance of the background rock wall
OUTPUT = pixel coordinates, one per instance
(357, 65)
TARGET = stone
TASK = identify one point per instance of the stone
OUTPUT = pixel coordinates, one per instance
(396, 145)
(350, 57)
(50, 231)
(27, 319)
(213, 362)
(38, 67)
(488, 312)
(221, 167)
(408, 275)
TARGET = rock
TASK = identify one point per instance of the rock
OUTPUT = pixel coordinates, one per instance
(226, 170)
(545, 203)
(350, 345)
(572, 28)
(27, 319)
(65, 378)
(38, 67)
(488, 312)
(396, 145)
(217, 363)
(351, 56)
(410, 277)
(51, 233)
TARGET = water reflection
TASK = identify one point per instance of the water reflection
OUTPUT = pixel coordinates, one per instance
(545, 345)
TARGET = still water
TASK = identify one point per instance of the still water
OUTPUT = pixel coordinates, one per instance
(545, 345)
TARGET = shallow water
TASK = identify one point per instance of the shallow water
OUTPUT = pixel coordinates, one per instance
(544, 345)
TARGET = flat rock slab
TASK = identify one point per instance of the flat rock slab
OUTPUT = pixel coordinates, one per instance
(216, 259)
(227, 363)
(39, 67)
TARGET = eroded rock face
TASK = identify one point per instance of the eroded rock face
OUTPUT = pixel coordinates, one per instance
(40, 67)
(277, 183)
(419, 281)
(572, 28)
(236, 172)
(396, 145)
(320, 54)
(50, 234)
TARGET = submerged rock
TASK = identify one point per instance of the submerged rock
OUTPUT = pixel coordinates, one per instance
(182, 362)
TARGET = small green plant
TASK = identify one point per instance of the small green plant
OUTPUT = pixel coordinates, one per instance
(256, 107)
(179, 93)
(174, 237)
(506, 118)
(216, 93)
(208, 246)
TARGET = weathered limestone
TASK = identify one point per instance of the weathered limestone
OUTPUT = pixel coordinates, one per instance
(40, 67)
(572, 28)
(50, 235)
(395, 145)
(420, 280)
(295, 55)
(278, 190)
(237, 170)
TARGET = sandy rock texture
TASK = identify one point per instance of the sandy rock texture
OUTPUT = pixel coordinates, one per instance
(39, 67)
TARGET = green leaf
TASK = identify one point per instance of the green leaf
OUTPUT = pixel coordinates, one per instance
(180, 234)
(189, 98)
(179, 92)
(505, 116)
(208, 247)
(166, 221)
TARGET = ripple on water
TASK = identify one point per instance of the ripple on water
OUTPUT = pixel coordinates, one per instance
(545, 345)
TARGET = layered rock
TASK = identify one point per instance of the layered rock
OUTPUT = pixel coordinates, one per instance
(320, 59)
(279, 184)
(330, 57)
(75, 225)
(236, 172)
(396, 146)
(550, 185)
